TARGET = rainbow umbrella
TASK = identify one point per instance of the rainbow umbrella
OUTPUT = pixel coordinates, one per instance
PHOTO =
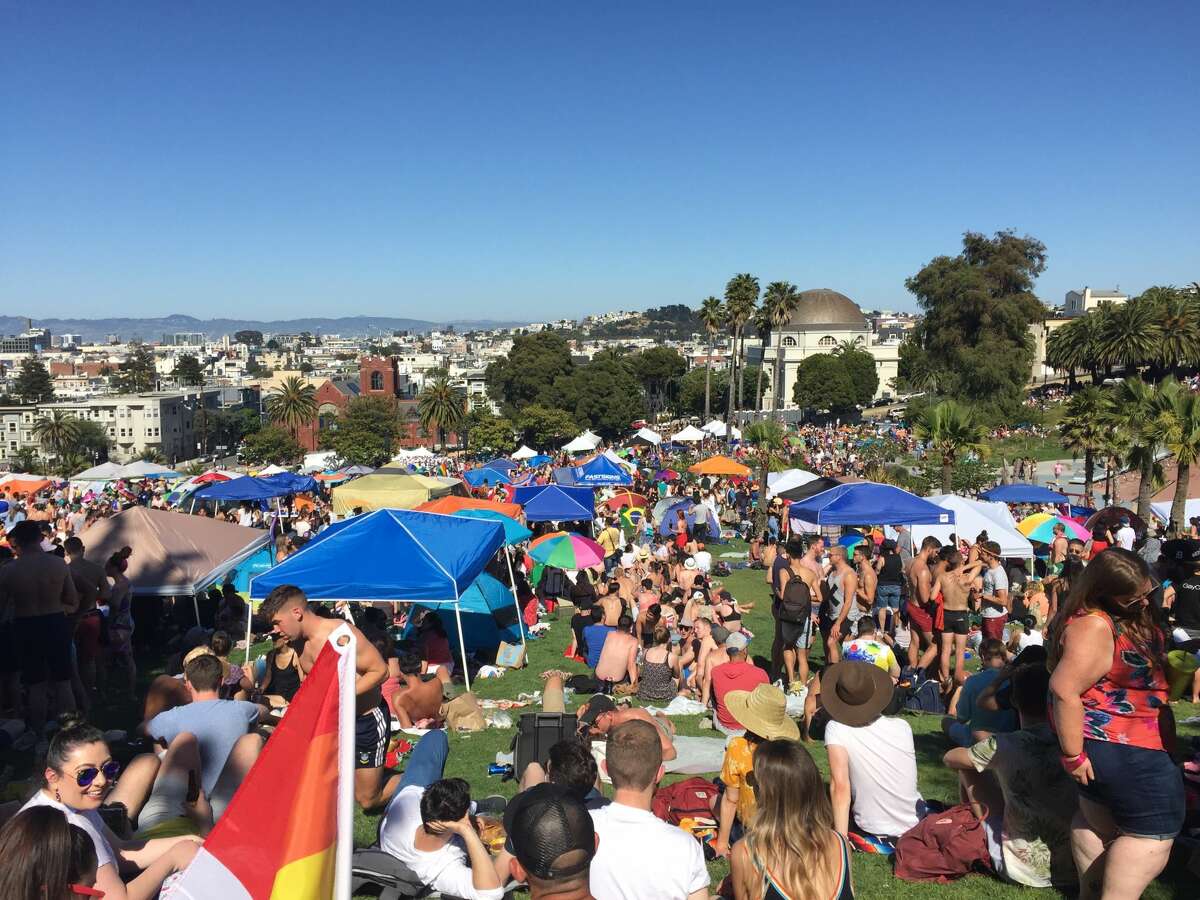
(566, 550)
(626, 498)
(1040, 527)
(850, 541)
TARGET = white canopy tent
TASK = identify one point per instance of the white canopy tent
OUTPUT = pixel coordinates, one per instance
(778, 482)
(106, 471)
(649, 435)
(318, 462)
(1162, 511)
(611, 455)
(972, 517)
(585, 442)
(717, 428)
(524, 452)
(143, 469)
(689, 435)
(272, 469)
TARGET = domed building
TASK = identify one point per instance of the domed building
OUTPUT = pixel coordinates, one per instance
(824, 320)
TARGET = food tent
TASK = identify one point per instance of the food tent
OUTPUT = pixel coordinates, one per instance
(380, 491)
(448, 506)
(524, 452)
(689, 435)
(868, 503)
(646, 436)
(1023, 493)
(720, 465)
(391, 555)
(778, 482)
(972, 517)
(717, 428)
(585, 442)
(556, 503)
(106, 471)
(176, 555)
(601, 471)
(486, 476)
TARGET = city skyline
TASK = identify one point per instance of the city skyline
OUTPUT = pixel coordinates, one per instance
(279, 161)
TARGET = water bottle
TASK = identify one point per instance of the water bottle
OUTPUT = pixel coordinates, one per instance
(499, 769)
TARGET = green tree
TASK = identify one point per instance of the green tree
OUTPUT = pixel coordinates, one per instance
(26, 459)
(1132, 411)
(604, 395)
(767, 439)
(91, 440)
(1070, 348)
(442, 408)
(136, 374)
(1131, 335)
(488, 433)
(712, 317)
(365, 433)
(230, 426)
(271, 445)
(741, 300)
(528, 373)
(949, 429)
(780, 302)
(860, 366)
(824, 382)
(658, 369)
(57, 432)
(1178, 314)
(153, 455)
(1178, 429)
(248, 337)
(33, 383)
(292, 404)
(188, 371)
(968, 476)
(978, 307)
(1083, 430)
(544, 427)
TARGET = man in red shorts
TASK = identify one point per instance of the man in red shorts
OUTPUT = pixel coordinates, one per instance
(922, 649)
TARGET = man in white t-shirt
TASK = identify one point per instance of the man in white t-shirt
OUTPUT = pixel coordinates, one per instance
(703, 560)
(872, 759)
(996, 602)
(1125, 534)
(639, 856)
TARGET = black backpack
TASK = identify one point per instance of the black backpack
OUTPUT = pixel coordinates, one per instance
(795, 606)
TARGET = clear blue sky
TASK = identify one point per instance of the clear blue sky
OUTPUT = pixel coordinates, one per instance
(520, 159)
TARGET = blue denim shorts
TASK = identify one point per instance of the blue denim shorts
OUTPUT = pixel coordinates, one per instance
(1142, 789)
(886, 596)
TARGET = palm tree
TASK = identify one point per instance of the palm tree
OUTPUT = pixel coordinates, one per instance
(1067, 348)
(25, 460)
(1083, 430)
(780, 302)
(70, 462)
(950, 429)
(292, 404)
(57, 432)
(1178, 427)
(153, 455)
(741, 299)
(1131, 336)
(1179, 317)
(442, 409)
(767, 438)
(762, 330)
(1131, 410)
(712, 317)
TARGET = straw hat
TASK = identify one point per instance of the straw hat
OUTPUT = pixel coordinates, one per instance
(854, 692)
(763, 711)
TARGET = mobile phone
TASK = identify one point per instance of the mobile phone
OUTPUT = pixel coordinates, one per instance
(193, 790)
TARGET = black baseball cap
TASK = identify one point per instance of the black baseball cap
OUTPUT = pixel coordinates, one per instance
(546, 823)
(599, 703)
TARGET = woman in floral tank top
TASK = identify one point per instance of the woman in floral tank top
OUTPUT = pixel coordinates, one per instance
(1108, 692)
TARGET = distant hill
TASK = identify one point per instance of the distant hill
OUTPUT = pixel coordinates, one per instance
(154, 329)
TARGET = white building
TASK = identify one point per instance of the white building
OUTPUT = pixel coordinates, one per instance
(1079, 303)
(824, 320)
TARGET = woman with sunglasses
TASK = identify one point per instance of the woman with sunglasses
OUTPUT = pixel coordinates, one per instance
(77, 780)
(1108, 690)
(46, 858)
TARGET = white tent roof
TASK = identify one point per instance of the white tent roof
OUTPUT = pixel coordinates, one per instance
(611, 455)
(586, 441)
(273, 469)
(690, 435)
(106, 471)
(778, 482)
(648, 435)
(717, 429)
(972, 517)
(524, 452)
(317, 462)
(143, 469)
(1162, 511)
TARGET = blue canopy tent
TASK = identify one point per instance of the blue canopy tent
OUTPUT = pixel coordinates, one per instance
(296, 484)
(246, 488)
(501, 464)
(868, 503)
(555, 503)
(391, 554)
(540, 460)
(1023, 493)
(565, 475)
(601, 471)
(487, 616)
(485, 475)
(514, 531)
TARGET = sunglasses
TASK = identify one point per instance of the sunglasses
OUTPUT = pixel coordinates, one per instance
(85, 776)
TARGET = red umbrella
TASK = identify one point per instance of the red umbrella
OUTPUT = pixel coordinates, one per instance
(627, 498)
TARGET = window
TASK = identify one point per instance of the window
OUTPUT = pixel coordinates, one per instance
(826, 341)
(789, 342)
(377, 381)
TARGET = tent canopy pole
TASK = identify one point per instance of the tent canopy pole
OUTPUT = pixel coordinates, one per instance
(512, 581)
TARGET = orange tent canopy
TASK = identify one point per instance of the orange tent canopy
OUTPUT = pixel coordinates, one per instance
(16, 487)
(719, 465)
(450, 505)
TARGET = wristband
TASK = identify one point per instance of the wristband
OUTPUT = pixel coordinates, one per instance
(1071, 763)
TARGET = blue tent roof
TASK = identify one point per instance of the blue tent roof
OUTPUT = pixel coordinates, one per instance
(296, 484)
(500, 463)
(555, 503)
(868, 503)
(489, 616)
(565, 475)
(540, 460)
(486, 475)
(1023, 493)
(601, 471)
(245, 488)
(514, 531)
(389, 554)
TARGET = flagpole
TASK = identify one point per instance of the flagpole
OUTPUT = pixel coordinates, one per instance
(345, 643)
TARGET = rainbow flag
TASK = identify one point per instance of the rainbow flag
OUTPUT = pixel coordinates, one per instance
(288, 832)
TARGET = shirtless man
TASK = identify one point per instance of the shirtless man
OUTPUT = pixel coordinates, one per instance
(610, 602)
(618, 657)
(868, 579)
(843, 584)
(647, 596)
(1058, 547)
(416, 698)
(286, 608)
(922, 651)
(686, 574)
(38, 594)
(797, 637)
(954, 586)
(91, 584)
(599, 716)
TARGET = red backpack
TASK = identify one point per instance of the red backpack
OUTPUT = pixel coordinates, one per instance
(692, 798)
(943, 846)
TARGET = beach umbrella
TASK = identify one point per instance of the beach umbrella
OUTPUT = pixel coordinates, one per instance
(626, 498)
(1040, 527)
(1110, 517)
(566, 550)
(666, 475)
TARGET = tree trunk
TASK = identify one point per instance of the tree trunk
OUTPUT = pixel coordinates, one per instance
(732, 369)
(947, 473)
(708, 383)
(760, 514)
(777, 383)
(758, 387)
(1145, 475)
(741, 403)
(1089, 466)
(1183, 474)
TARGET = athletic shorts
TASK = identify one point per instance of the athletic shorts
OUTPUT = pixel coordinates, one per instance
(44, 645)
(993, 628)
(371, 733)
(955, 621)
(797, 635)
(87, 637)
(887, 596)
(920, 618)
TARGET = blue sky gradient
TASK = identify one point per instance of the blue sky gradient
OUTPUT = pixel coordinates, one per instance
(528, 160)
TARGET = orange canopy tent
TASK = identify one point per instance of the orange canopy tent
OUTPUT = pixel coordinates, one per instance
(719, 465)
(450, 505)
(23, 487)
